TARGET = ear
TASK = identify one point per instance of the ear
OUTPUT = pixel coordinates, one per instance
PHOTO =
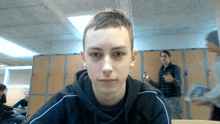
(83, 58)
(133, 58)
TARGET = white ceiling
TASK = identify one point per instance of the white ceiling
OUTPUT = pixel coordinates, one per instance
(42, 25)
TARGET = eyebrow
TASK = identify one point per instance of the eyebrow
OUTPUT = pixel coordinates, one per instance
(115, 48)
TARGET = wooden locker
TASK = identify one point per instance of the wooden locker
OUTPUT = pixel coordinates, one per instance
(211, 60)
(74, 64)
(48, 97)
(152, 64)
(196, 74)
(35, 103)
(56, 76)
(135, 72)
(39, 76)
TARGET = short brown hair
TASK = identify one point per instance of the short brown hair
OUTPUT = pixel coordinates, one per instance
(165, 51)
(2, 87)
(110, 18)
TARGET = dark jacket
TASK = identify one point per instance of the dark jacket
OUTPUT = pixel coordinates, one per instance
(3, 99)
(76, 104)
(5, 111)
(22, 102)
(169, 89)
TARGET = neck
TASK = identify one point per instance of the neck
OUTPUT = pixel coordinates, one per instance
(166, 64)
(110, 101)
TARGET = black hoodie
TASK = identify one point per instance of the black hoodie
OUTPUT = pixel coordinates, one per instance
(76, 104)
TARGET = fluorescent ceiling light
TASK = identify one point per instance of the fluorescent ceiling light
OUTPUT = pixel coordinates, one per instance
(80, 22)
(14, 50)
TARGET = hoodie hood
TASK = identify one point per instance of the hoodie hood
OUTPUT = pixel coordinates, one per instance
(82, 80)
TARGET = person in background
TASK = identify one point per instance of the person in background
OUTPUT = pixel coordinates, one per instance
(7, 114)
(214, 94)
(3, 99)
(23, 103)
(169, 83)
(104, 93)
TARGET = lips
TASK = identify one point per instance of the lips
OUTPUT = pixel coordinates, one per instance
(107, 80)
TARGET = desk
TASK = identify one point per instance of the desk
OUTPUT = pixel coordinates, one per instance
(194, 122)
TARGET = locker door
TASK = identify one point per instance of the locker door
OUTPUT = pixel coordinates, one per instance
(135, 72)
(35, 103)
(211, 59)
(196, 74)
(152, 64)
(38, 84)
(39, 78)
(74, 64)
(56, 74)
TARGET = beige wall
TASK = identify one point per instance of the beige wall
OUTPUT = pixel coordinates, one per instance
(20, 77)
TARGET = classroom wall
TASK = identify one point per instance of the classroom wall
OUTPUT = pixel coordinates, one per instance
(16, 79)
(54, 72)
(20, 77)
(2, 76)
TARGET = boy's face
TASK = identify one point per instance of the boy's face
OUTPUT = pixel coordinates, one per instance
(165, 59)
(26, 95)
(108, 57)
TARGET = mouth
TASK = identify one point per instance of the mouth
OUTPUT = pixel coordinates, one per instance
(107, 80)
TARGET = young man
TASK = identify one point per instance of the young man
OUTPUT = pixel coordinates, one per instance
(169, 83)
(23, 103)
(214, 94)
(7, 114)
(105, 93)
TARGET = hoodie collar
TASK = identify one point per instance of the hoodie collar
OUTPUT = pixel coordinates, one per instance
(132, 88)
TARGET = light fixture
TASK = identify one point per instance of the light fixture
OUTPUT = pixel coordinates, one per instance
(80, 22)
(14, 50)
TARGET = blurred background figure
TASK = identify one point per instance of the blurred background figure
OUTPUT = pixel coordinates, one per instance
(213, 96)
(22, 104)
(169, 83)
(7, 114)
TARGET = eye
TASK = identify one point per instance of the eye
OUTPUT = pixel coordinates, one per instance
(118, 54)
(95, 55)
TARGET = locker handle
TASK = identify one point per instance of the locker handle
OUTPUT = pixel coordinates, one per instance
(186, 73)
(209, 71)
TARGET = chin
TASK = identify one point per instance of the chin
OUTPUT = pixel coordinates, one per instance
(108, 91)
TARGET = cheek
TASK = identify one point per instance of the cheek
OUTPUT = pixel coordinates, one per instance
(123, 67)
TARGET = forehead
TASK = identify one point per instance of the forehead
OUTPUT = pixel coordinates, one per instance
(108, 37)
(164, 54)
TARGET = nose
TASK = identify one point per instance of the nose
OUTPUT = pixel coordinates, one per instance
(107, 66)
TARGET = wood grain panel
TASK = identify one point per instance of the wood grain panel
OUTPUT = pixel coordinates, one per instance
(196, 74)
(35, 103)
(74, 64)
(56, 74)
(135, 72)
(48, 97)
(152, 64)
(211, 60)
(39, 78)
